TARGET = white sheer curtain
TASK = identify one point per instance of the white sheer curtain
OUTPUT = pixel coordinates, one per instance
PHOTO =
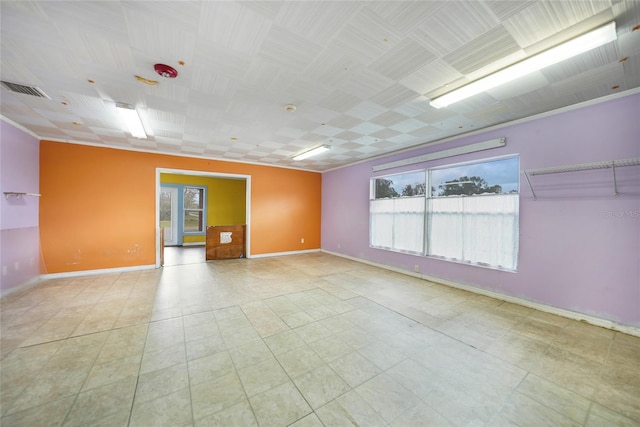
(479, 229)
(398, 223)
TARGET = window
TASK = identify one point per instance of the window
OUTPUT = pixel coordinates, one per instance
(193, 210)
(471, 212)
(397, 210)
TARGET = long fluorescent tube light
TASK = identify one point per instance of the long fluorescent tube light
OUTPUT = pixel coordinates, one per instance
(312, 152)
(591, 40)
(131, 119)
(465, 149)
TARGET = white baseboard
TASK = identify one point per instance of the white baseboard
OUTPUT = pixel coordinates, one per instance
(96, 272)
(306, 251)
(574, 315)
(21, 287)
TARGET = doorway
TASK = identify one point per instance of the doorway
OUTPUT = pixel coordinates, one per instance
(167, 205)
(169, 214)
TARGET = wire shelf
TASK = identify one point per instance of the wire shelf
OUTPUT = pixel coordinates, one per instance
(611, 164)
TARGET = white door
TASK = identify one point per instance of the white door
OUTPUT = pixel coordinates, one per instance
(169, 214)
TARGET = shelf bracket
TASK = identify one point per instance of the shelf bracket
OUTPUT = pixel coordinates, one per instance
(18, 195)
(526, 175)
(615, 183)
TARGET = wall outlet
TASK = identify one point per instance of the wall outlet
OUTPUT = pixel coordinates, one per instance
(416, 268)
(339, 246)
(302, 240)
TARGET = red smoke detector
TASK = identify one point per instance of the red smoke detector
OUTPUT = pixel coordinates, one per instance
(166, 71)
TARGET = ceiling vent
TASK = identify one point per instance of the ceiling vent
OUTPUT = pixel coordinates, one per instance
(24, 89)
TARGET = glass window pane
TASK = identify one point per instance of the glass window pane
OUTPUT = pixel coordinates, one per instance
(192, 221)
(492, 177)
(401, 185)
(193, 198)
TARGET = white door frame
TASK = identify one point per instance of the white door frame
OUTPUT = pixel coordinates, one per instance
(173, 239)
(247, 179)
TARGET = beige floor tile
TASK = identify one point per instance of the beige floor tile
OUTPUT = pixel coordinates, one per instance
(525, 412)
(569, 370)
(250, 354)
(215, 395)
(382, 355)
(241, 336)
(239, 414)
(279, 406)
(171, 410)
(156, 384)
(262, 376)
(109, 371)
(599, 416)
(283, 342)
(420, 353)
(320, 385)
(349, 410)
(97, 404)
(421, 415)
(386, 396)
(414, 377)
(52, 414)
(163, 358)
(354, 369)
(330, 348)
(210, 367)
(312, 332)
(619, 390)
(563, 401)
(205, 347)
(299, 361)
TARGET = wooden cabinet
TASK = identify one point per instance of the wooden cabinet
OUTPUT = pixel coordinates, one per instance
(225, 242)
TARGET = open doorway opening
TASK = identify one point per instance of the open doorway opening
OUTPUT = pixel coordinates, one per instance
(187, 201)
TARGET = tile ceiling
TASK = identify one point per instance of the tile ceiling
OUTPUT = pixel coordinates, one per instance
(361, 74)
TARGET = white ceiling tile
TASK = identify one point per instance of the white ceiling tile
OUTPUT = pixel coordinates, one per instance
(316, 21)
(364, 69)
(483, 50)
(288, 50)
(233, 25)
(404, 59)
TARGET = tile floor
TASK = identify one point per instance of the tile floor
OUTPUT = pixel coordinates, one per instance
(179, 255)
(302, 340)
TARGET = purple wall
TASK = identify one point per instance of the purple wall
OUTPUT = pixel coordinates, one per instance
(20, 241)
(579, 244)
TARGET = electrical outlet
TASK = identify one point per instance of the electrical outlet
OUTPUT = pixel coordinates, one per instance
(339, 245)
(416, 268)
(302, 240)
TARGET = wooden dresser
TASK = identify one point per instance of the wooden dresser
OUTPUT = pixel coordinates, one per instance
(225, 242)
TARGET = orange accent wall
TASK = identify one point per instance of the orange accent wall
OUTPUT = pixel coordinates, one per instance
(97, 208)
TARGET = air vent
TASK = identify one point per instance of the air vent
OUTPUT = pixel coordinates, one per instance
(27, 90)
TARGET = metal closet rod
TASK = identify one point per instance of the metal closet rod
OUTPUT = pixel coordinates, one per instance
(613, 164)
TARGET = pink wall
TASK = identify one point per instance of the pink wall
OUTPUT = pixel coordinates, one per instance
(20, 246)
(579, 244)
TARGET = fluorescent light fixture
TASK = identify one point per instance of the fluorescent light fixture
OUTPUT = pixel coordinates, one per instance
(591, 40)
(465, 149)
(312, 152)
(131, 119)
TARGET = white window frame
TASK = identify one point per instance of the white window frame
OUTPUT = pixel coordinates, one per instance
(507, 201)
(203, 211)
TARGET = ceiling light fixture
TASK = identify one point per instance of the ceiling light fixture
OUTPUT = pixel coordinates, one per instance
(312, 152)
(569, 49)
(131, 120)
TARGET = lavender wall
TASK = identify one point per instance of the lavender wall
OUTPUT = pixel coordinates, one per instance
(20, 241)
(579, 244)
